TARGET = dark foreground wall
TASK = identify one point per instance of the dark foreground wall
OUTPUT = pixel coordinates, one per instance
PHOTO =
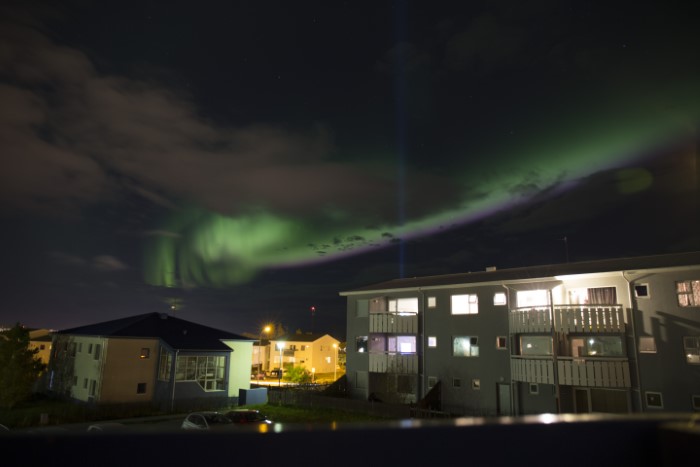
(546, 440)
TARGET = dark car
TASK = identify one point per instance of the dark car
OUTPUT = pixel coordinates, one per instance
(247, 416)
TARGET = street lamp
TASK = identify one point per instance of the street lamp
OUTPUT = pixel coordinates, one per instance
(335, 364)
(266, 329)
(280, 346)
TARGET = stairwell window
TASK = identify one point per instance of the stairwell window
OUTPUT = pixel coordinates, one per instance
(691, 345)
(688, 293)
(465, 346)
(467, 304)
(361, 344)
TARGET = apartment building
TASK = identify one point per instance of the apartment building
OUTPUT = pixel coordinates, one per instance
(618, 336)
(317, 353)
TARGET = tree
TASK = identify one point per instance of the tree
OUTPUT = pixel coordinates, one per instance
(297, 374)
(19, 366)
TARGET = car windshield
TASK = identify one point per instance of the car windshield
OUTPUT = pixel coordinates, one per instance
(216, 419)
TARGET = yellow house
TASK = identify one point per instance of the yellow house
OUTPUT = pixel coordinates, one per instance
(317, 353)
(40, 339)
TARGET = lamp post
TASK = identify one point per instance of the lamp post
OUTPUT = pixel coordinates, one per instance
(280, 346)
(335, 364)
(266, 329)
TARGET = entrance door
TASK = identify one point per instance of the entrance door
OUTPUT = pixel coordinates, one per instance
(601, 400)
(504, 404)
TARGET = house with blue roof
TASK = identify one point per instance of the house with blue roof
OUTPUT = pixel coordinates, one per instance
(154, 358)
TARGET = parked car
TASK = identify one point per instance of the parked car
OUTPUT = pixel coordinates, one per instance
(206, 421)
(243, 416)
(106, 427)
(276, 373)
(257, 376)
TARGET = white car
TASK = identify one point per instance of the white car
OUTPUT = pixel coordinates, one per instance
(206, 421)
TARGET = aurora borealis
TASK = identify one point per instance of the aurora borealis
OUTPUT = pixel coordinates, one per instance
(248, 160)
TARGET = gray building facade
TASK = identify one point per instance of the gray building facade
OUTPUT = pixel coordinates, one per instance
(614, 336)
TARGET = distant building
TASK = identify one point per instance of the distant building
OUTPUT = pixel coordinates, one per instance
(152, 359)
(619, 335)
(315, 352)
(40, 339)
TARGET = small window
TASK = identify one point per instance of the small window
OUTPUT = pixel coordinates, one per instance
(85, 383)
(432, 302)
(432, 341)
(141, 388)
(499, 298)
(361, 344)
(89, 348)
(691, 346)
(42, 347)
(432, 381)
(75, 380)
(534, 388)
(456, 383)
(476, 384)
(98, 348)
(696, 401)
(647, 344)
(654, 400)
(641, 291)
(502, 342)
(145, 352)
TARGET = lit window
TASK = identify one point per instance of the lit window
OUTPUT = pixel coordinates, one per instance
(209, 372)
(476, 384)
(688, 293)
(141, 388)
(432, 341)
(465, 346)
(145, 352)
(691, 345)
(535, 345)
(499, 298)
(501, 342)
(647, 344)
(467, 304)
(531, 298)
(404, 305)
(432, 302)
(361, 344)
(597, 346)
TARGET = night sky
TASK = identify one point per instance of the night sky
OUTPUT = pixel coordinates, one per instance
(248, 160)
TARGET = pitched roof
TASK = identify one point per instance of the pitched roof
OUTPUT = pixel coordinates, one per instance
(307, 337)
(176, 332)
(538, 272)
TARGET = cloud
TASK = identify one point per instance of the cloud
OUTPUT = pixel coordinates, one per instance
(108, 263)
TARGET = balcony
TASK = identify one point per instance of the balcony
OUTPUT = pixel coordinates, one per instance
(393, 323)
(589, 372)
(392, 362)
(568, 319)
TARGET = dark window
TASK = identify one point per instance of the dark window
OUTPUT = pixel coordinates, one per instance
(141, 388)
(501, 342)
(361, 343)
(654, 400)
(456, 383)
(641, 290)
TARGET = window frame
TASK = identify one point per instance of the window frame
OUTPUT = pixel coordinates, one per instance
(692, 351)
(690, 296)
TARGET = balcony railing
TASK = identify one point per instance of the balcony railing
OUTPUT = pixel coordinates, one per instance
(395, 323)
(590, 372)
(392, 362)
(568, 319)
